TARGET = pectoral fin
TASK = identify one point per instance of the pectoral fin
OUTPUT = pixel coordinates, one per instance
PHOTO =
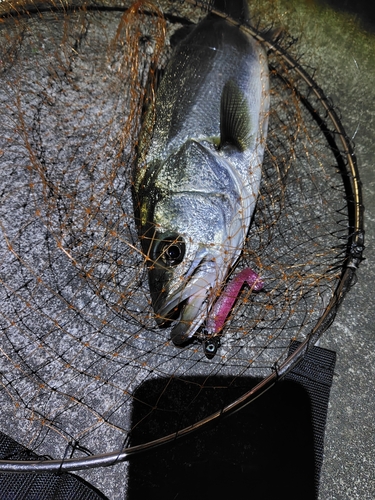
(235, 119)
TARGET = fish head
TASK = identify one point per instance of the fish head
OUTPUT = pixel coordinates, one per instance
(185, 276)
(189, 260)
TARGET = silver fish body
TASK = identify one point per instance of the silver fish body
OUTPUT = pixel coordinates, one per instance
(197, 178)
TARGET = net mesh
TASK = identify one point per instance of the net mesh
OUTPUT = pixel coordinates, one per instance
(78, 335)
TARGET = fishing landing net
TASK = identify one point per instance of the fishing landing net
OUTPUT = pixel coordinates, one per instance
(79, 346)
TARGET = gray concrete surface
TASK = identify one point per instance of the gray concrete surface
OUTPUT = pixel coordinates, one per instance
(346, 71)
(343, 55)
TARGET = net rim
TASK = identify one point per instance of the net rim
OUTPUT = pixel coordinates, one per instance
(352, 261)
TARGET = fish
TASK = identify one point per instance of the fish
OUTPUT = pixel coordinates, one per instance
(198, 170)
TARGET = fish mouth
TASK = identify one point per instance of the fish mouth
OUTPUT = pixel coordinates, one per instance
(191, 302)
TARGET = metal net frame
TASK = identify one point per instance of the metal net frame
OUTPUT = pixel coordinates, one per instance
(78, 336)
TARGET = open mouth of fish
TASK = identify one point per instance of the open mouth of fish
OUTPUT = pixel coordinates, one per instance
(191, 302)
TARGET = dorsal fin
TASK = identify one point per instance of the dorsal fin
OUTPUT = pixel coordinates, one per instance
(235, 119)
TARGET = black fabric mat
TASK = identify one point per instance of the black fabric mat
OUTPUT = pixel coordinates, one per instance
(41, 486)
(273, 448)
(315, 374)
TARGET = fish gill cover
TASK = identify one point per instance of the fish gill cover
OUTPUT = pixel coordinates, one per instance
(78, 331)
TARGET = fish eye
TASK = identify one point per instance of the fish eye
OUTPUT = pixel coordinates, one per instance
(170, 248)
(173, 252)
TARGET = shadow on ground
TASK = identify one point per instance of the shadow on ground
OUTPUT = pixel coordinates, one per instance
(267, 449)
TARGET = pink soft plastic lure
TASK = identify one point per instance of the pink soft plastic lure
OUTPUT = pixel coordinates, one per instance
(224, 304)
